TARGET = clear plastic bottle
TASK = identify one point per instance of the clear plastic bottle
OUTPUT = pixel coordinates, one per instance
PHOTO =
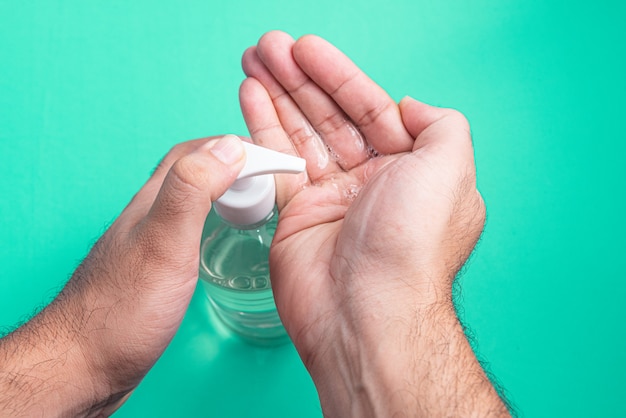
(234, 254)
(235, 273)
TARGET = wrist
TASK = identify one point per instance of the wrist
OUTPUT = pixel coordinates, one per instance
(43, 369)
(107, 365)
(369, 365)
(395, 353)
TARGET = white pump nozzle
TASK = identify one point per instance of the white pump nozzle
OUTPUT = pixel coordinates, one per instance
(261, 160)
(251, 198)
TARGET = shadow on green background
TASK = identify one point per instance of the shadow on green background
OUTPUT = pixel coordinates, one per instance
(91, 97)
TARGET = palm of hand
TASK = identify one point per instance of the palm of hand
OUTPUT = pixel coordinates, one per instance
(307, 98)
(305, 258)
(315, 243)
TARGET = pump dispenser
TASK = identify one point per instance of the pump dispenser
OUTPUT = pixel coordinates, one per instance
(234, 254)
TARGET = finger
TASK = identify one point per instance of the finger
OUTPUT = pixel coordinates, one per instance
(417, 116)
(338, 132)
(305, 139)
(266, 130)
(374, 113)
(434, 125)
(141, 202)
(444, 140)
(192, 183)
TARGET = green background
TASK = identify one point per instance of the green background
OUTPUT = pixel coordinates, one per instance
(92, 94)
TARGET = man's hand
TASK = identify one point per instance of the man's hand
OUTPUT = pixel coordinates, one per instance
(88, 350)
(367, 247)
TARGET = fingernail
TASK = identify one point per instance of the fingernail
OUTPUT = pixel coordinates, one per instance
(228, 149)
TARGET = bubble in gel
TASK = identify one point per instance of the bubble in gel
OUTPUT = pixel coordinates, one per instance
(334, 156)
(351, 192)
(220, 282)
(260, 282)
(240, 282)
(371, 152)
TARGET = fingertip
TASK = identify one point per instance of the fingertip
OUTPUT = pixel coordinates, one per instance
(406, 101)
(228, 150)
(248, 60)
(306, 37)
(271, 42)
(311, 44)
(409, 110)
(417, 115)
(272, 33)
(254, 101)
(309, 38)
(247, 87)
(272, 37)
(302, 44)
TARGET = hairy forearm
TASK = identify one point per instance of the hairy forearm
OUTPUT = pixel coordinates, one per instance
(43, 370)
(422, 366)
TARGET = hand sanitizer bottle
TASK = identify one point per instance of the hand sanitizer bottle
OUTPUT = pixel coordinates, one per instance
(234, 254)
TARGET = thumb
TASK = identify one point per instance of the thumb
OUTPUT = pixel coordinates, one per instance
(193, 182)
(418, 116)
(439, 126)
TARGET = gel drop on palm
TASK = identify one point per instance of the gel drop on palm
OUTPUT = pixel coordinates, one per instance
(234, 255)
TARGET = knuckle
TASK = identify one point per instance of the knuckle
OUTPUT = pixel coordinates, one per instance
(301, 135)
(373, 114)
(260, 132)
(298, 87)
(458, 118)
(344, 83)
(332, 123)
(187, 174)
(170, 158)
(183, 182)
(174, 153)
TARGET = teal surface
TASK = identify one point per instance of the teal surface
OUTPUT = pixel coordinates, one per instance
(92, 94)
